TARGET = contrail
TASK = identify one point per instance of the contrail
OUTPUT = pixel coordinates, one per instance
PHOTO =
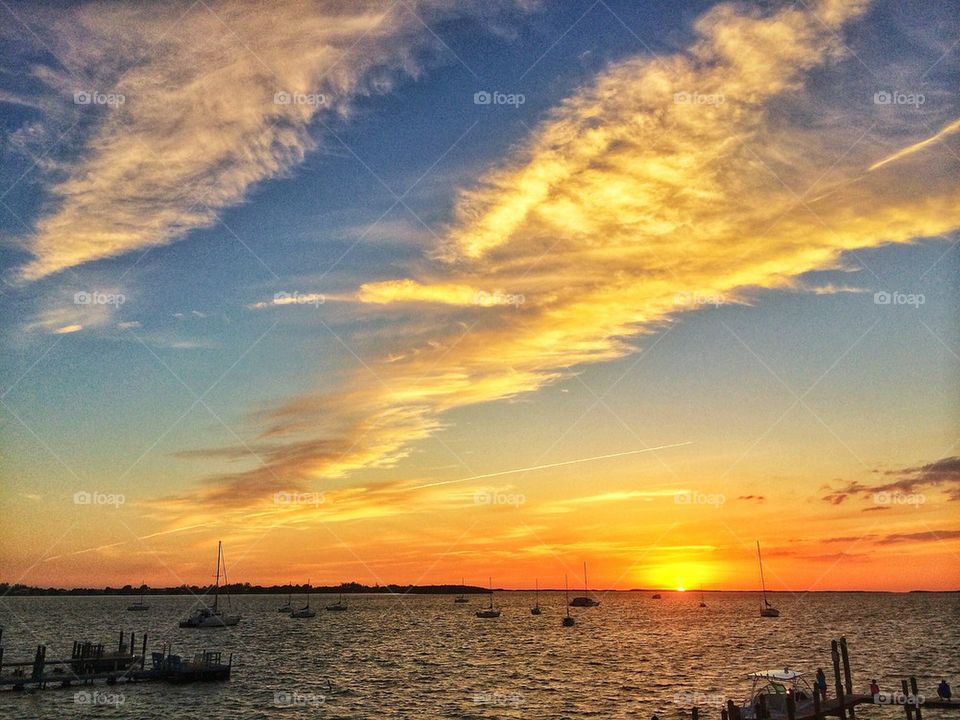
(916, 147)
(550, 465)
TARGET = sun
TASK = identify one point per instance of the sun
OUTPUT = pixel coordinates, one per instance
(680, 588)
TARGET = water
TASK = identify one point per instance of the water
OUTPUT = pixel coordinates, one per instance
(424, 656)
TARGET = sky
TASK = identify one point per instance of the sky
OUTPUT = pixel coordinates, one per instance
(404, 292)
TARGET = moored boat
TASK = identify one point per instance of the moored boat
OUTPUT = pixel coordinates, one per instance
(212, 616)
(490, 611)
(585, 600)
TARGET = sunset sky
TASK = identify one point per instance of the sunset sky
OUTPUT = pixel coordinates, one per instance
(348, 285)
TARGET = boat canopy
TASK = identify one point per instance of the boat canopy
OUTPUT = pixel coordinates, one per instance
(785, 675)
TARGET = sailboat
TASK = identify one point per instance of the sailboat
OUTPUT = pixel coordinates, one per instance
(338, 606)
(139, 606)
(535, 610)
(491, 611)
(766, 609)
(702, 603)
(287, 606)
(586, 600)
(656, 596)
(305, 611)
(211, 615)
(461, 598)
(567, 621)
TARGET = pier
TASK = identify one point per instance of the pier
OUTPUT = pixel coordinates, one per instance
(93, 662)
(842, 704)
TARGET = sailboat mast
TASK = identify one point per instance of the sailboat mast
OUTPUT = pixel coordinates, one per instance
(566, 593)
(490, 580)
(763, 585)
(216, 587)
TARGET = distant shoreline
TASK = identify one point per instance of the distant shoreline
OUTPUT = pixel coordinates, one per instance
(357, 589)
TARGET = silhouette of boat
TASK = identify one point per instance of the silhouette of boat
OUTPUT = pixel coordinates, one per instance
(491, 611)
(461, 598)
(766, 609)
(211, 616)
(338, 606)
(139, 606)
(535, 610)
(585, 600)
(656, 596)
(305, 611)
(568, 621)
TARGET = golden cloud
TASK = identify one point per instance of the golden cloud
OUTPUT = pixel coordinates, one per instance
(215, 97)
(666, 181)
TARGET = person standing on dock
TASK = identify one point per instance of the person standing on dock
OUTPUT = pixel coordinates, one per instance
(821, 682)
(943, 690)
(874, 688)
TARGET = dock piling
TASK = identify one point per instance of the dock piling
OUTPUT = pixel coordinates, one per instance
(915, 694)
(847, 674)
(907, 710)
(838, 683)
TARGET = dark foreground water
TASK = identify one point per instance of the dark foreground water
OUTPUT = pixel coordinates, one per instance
(423, 656)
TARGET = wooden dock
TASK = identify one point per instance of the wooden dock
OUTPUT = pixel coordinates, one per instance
(843, 702)
(92, 662)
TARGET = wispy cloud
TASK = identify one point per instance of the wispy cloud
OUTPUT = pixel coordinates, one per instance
(216, 97)
(942, 474)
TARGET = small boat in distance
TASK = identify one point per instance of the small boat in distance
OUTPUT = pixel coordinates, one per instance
(766, 609)
(305, 611)
(586, 600)
(461, 598)
(338, 606)
(535, 610)
(287, 606)
(209, 616)
(139, 606)
(567, 621)
(702, 603)
(491, 611)
(656, 596)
